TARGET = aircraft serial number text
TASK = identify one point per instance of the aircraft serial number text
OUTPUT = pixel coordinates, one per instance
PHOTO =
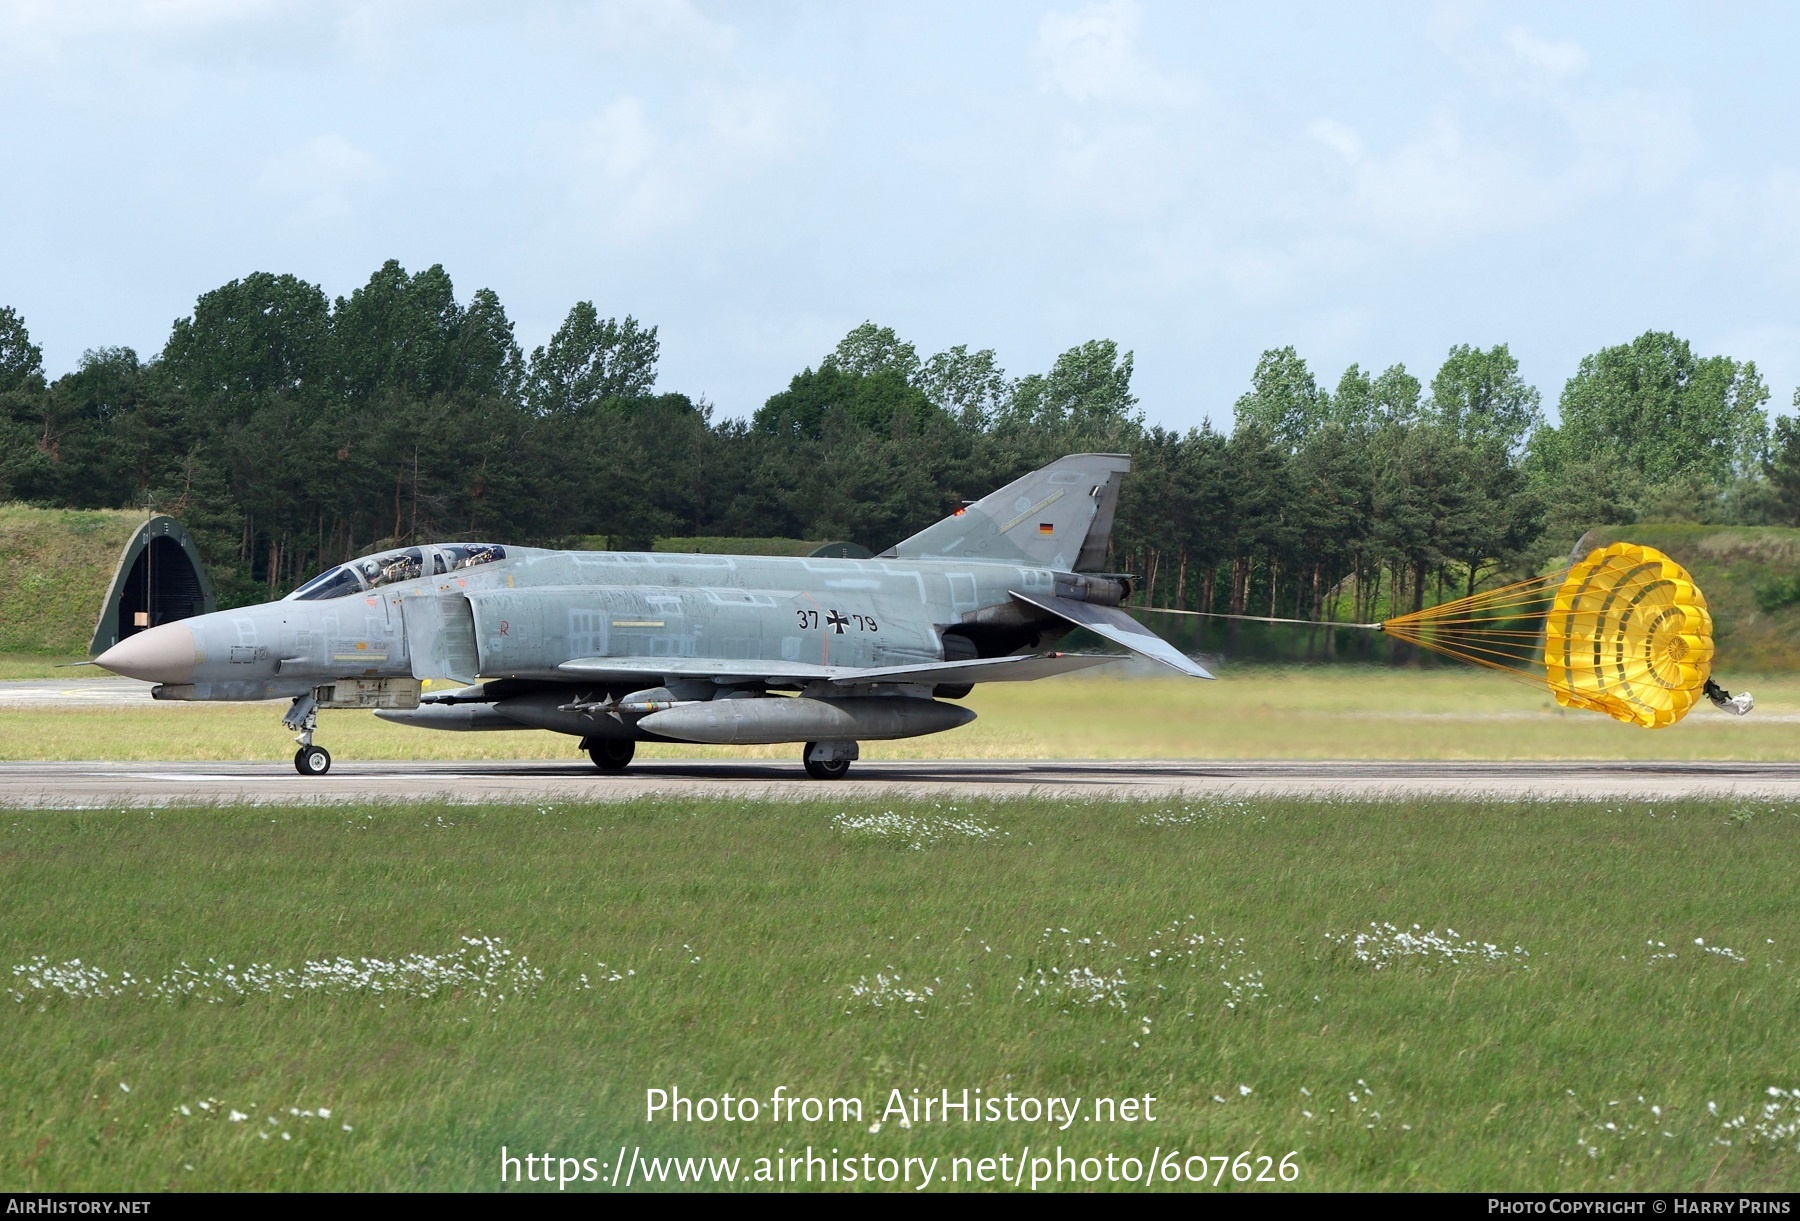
(837, 621)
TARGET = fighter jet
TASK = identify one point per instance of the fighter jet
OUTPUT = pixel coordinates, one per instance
(617, 648)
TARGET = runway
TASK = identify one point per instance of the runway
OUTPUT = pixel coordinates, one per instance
(118, 785)
(77, 692)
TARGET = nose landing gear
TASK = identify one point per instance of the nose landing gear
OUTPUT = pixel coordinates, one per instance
(303, 715)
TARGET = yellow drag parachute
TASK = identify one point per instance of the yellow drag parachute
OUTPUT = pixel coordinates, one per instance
(1628, 634)
(1625, 632)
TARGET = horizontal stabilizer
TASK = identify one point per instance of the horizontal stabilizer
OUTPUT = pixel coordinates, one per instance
(726, 672)
(1111, 623)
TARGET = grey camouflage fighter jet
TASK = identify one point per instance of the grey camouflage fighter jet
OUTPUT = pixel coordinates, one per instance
(617, 648)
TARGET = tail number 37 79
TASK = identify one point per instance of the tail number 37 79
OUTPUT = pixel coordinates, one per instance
(836, 621)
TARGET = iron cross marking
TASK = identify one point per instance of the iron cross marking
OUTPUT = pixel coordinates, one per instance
(837, 620)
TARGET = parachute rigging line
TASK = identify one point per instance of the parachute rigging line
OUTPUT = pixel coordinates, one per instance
(1170, 610)
(1625, 631)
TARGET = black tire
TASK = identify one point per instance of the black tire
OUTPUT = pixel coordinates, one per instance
(312, 760)
(612, 754)
(819, 769)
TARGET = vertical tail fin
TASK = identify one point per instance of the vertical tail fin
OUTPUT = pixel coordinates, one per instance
(1058, 517)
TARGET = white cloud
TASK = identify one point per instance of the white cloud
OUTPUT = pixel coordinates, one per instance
(1092, 55)
(321, 181)
(637, 175)
(60, 19)
(1762, 214)
(1556, 144)
(657, 155)
(1340, 138)
(1441, 185)
(107, 40)
(1553, 59)
(1196, 182)
(619, 144)
(1089, 54)
(615, 25)
(749, 126)
(1127, 150)
(46, 30)
(1266, 275)
(1633, 134)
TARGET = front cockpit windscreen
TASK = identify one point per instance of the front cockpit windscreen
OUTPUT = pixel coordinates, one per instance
(332, 583)
(388, 568)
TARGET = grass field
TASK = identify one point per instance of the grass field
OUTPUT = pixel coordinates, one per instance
(1635, 981)
(1251, 713)
(43, 665)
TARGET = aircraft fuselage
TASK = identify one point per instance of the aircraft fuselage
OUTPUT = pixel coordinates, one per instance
(530, 614)
(620, 647)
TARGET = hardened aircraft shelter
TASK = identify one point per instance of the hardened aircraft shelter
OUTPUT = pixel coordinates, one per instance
(159, 579)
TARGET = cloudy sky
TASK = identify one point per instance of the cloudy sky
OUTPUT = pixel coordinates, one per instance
(1370, 183)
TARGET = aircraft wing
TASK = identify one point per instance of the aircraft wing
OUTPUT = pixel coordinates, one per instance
(1111, 623)
(981, 670)
(975, 670)
(632, 669)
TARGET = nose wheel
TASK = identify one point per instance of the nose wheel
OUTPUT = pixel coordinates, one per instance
(303, 715)
(312, 760)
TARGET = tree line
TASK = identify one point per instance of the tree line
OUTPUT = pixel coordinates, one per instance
(291, 431)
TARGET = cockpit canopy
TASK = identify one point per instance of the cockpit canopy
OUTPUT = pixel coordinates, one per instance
(374, 571)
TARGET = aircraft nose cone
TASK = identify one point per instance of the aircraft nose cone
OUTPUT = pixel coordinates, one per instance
(162, 654)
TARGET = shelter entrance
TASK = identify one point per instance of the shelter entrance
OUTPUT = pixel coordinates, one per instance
(160, 579)
(162, 586)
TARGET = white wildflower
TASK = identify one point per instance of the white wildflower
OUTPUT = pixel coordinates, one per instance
(482, 966)
(917, 832)
(1385, 945)
(888, 991)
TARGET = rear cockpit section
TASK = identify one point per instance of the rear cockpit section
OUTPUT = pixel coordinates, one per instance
(392, 567)
(468, 555)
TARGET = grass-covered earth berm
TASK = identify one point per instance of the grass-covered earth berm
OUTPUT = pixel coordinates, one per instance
(1410, 995)
(1751, 578)
(58, 565)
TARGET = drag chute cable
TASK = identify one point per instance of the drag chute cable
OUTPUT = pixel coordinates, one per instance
(1624, 631)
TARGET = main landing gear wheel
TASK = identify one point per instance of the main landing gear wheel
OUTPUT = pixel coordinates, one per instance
(824, 769)
(312, 760)
(611, 754)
